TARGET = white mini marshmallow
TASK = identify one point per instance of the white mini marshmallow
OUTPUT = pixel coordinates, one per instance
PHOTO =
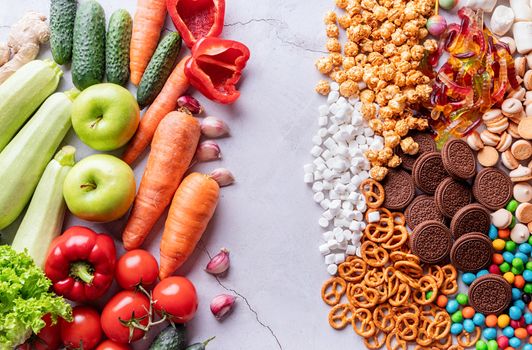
(324, 249)
(329, 259)
(308, 178)
(318, 197)
(323, 222)
(522, 11)
(351, 249)
(374, 216)
(333, 97)
(502, 19)
(339, 258)
(522, 34)
(332, 269)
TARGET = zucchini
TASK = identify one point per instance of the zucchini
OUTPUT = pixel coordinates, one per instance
(170, 338)
(44, 218)
(88, 53)
(24, 159)
(117, 47)
(159, 69)
(62, 16)
(22, 93)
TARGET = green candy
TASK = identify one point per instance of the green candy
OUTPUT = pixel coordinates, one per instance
(528, 288)
(529, 265)
(517, 271)
(511, 246)
(481, 345)
(512, 225)
(457, 316)
(492, 345)
(512, 206)
(530, 240)
(462, 298)
(428, 295)
(504, 267)
(516, 262)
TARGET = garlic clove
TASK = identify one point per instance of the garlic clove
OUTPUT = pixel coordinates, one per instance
(223, 176)
(214, 127)
(219, 263)
(222, 305)
(190, 103)
(208, 151)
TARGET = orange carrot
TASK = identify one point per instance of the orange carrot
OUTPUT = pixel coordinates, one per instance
(190, 212)
(172, 150)
(147, 25)
(165, 102)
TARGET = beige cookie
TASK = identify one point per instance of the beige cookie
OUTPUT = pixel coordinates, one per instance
(525, 128)
(488, 156)
(521, 150)
(524, 213)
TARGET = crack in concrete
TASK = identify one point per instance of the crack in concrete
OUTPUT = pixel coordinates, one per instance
(253, 20)
(264, 325)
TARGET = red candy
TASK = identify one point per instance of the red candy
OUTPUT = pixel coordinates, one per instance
(514, 324)
(502, 341)
(529, 329)
(495, 269)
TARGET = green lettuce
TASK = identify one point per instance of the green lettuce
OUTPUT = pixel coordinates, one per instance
(25, 298)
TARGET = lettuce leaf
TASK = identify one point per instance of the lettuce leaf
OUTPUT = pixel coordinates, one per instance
(25, 298)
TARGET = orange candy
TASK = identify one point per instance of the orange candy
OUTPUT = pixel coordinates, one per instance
(504, 233)
(497, 259)
(521, 333)
(519, 282)
(491, 321)
(468, 312)
(441, 301)
(530, 306)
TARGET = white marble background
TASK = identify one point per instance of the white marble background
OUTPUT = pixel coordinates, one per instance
(267, 219)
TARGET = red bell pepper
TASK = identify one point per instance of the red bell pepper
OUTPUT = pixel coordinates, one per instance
(81, 264)
(196, 19)
(215, 68)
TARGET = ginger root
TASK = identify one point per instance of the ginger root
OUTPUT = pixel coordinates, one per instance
(25, 38)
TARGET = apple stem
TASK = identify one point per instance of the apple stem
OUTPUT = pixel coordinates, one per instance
(93, 125)
(88, 186)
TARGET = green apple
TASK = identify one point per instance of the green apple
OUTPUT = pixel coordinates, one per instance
(99, 188)
(105, 116)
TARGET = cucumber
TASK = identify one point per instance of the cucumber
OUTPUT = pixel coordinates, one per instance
(170, 338)
(200, 346)
(62, 16)
(88, 53)
(44, 218)
(24, 159)
(22, 93)
(159, 69)
(117, 47)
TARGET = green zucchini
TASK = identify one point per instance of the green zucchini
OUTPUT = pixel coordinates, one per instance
(159, 69)
(117, 47)
(88, 53)
(62, 16)
(43, 220)
(170, 338)
(200, 346)
(24, 159)
(22, 93)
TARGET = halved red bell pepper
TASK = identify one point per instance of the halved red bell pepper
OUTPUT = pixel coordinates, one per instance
(215, 68)
(81, 264)
(196, 19)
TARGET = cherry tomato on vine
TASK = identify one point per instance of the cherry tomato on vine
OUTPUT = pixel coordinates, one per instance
(111, 345)
(176, 296)
(136, 267)
(125, 307)
(84, 332)
(49, 338)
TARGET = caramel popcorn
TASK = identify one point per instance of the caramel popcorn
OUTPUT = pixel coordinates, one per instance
(394, 162)
(332, 30)
(324, 65)
(330, 17)
(333, 45)
(323, 87)
(409, 146)
(378, 173)
(348, 88)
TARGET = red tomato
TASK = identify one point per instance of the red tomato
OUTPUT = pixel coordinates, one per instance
(136, 267)
(177, 297)
(111, 345)
(126, 306)
(84, 332)
(49, 337)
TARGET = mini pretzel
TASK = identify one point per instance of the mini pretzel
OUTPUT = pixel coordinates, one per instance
(373, 192)
(438, 274)
(374, 277)
(407, 326)
(456, 347)
(362, 296)
(408, 308)
(383, 318)
(402, 256)
(449, 271)
(399, 237)
(443, 343)
(394, 342)
(399, 219)
(353, 270)
(466, 339)
(333, 290)
(376, 341)
(373, 254)
(363, 323)
(410, 268)
(383, 293)
(440, 327)
(450, 286)
(423, 338)
(401, 296)
(377, 233)
(407, 279)
(393, 284)
(340, 316)
(427, 285)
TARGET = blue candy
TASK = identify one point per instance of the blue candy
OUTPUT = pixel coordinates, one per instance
(508, 257)
(482, 273)
(479, 319)
(522, 256)
(515, 313)
(527, 275)
(493, 233)
(516, 294)
(456, 328)
(520, 304)
(515, 342)
(525, 248)
(468, 278)
(490, 333)
(527, 347)
(469, 326)
(508, 331)
(528, 318)
(452, 306)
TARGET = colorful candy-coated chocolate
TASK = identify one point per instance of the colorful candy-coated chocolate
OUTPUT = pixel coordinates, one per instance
(491, 321)
(468, 278)
(497, 259)
(468, 312)
(508, 331)
(529, 328)
(514, 324)
(441, 301)
(462, 298)
(482, 273)
(504, 233)
(527, 275)
(452, 306)
(456, 328)
(503, 321)
(493, 232)
(528, 288)
(525, 248)
(510, 246)
(489, 333)
(512, 205)
(516, 294)
(492, 345)
(457, 317)
(528, 321)
(508, 257)
(520, 304)
(527, 347)
(479, 319)
(528, 265)
(499, 244)
(523, 258)
(521, 333)
(516, 271)
(502, 341)
(519, 282)
(481, 345)
(514, 342)
(509, 277)
(504, 267)
(469, 326)
(436, 25)
(494, 269)
(515, 312)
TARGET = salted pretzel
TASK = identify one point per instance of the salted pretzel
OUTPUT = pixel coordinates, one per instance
(341, 315)
(373, 192)
(333, 290)
(352, 270)
(466, 339)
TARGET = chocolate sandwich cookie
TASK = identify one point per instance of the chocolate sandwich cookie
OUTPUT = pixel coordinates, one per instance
(431, 241)
(426, 144)
(428, 172)
(458, 159)
(471, 218)
(492, 188)
(452, 195)
(423, 208)
(399, 189)
(490, 294)
(471, 252)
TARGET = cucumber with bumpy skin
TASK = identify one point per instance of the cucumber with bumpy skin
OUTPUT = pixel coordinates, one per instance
(62, 17)
(159, 69)
(117, 47)
(170, 338)
(88, 53)
(44, 218)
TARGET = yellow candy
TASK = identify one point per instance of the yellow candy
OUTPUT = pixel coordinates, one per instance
(509, 277)
(499, 244)
(503, 321)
